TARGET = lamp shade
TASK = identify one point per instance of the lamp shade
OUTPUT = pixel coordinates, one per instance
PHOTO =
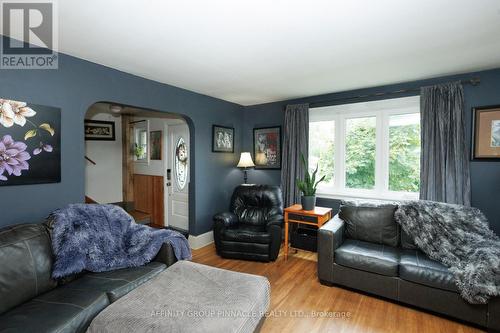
(245, 161)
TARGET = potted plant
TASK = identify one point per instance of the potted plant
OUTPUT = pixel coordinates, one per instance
(308, 186)
(139, 152)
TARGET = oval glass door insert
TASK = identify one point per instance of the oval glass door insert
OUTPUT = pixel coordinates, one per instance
(181, 166)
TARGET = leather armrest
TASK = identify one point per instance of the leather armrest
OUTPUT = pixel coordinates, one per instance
(226, 219)
(221, 222)
(275, 220)
(275, 230)
(330, 237)
(166, 255)
(493, 317)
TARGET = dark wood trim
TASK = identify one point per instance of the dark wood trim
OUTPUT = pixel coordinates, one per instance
(127, 161)
(473, 135)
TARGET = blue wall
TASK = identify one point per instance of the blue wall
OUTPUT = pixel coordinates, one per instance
(78, 84)
(485, 176)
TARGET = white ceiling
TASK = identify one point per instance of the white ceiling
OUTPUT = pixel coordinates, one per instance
(257, 51)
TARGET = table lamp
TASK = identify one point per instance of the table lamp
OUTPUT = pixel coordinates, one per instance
(245, 163)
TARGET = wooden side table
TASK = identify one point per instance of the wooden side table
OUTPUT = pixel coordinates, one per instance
(295, 214)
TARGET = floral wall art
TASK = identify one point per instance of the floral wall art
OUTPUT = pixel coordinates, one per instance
(30, 143)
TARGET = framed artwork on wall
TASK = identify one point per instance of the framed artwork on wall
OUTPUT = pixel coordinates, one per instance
(222, 139)
(267, 147)
(99, 130)
(486, 133)
(30, 143)
(155, 139)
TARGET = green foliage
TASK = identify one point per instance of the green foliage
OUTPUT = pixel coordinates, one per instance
(404, 158)
(322, 148)
(139, 151)
(326, 163)
(360, 154)
(309, 184)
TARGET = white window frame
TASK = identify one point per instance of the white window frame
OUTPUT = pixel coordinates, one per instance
(382, 111)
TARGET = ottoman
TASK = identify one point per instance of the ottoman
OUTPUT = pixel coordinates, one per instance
(189, 297)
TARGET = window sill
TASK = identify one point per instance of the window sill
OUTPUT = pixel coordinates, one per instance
(371, 196)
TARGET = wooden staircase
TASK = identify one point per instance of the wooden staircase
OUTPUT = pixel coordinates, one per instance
(139, 217)
(89, 200)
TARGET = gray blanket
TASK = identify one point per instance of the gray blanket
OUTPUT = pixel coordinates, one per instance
(459, 238)
(101, 238)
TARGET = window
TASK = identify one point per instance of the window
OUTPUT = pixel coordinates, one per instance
(322, 148)
(141, 129)
(369, 150)
(404, 152)
(360, 148)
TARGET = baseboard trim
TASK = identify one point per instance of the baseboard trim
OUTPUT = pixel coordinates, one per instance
(197, 242)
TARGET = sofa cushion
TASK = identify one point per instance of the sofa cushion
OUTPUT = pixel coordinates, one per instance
(370, 257)
(118, 282)
(370, 222)
(59, 310)
(247, 233)
(26, 263)
(416, 267)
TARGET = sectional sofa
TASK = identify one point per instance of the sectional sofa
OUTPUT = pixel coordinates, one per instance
(31, 301)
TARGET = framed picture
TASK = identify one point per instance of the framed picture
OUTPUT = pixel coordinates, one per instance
(30, 143)
(267, 147)
(222, 139)
(99, 130)
(486, 133)
(155, 142)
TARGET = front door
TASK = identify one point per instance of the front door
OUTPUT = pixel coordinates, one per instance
(178, 184)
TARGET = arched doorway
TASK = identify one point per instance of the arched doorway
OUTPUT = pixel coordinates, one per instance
(141, 160)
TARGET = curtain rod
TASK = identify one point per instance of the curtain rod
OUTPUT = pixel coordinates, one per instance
(474, 81)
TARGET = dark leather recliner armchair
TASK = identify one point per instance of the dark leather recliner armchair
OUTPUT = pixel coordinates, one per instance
(252, 228)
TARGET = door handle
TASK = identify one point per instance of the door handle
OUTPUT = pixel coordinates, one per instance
(169, 184)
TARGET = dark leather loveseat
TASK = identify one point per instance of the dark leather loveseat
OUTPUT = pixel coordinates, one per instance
(364, 248)
(31, 301)
(252, 228)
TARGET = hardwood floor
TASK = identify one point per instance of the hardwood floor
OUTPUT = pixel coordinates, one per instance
(296, 294)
